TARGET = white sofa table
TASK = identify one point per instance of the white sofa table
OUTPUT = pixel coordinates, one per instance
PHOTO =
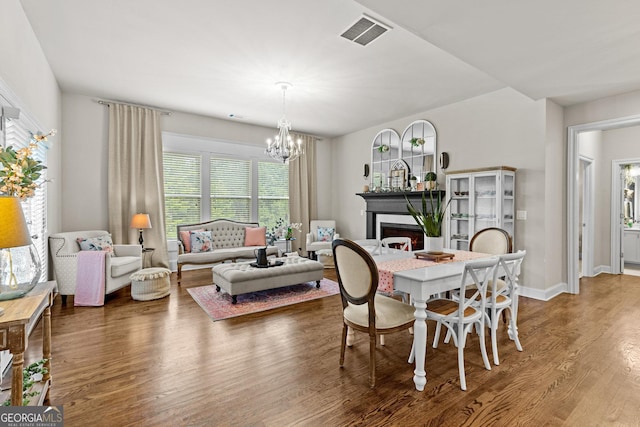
(241, 278)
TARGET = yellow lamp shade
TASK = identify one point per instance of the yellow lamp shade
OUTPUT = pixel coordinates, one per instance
(141, 220)
(13, 227)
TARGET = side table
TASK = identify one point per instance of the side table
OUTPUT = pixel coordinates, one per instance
(147, 263)
(20, 318)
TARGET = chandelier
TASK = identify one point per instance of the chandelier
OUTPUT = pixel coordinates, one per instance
(282, 147)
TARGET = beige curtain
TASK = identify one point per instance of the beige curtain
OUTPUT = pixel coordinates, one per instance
(302, 188)
(136, 183)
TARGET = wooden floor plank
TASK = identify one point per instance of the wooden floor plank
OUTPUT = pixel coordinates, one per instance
(165, 363)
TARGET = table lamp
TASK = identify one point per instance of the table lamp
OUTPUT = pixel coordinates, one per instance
(19, 261)
(141, 221)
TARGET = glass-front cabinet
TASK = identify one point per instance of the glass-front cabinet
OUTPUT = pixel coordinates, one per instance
(480, 198)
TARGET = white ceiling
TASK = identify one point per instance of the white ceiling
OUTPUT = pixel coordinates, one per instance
(217, 58)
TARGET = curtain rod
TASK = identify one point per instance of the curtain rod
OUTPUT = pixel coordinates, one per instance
(107, 102)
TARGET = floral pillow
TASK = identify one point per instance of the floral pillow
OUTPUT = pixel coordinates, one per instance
(325, 234)
(201, 241)
(100, 243)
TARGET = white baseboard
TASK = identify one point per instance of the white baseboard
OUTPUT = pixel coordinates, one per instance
(544, 294)
(601, 269)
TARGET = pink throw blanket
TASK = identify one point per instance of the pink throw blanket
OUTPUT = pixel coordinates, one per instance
(90, 278)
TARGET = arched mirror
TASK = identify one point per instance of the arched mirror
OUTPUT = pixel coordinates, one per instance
(384, 153)
(419, 148)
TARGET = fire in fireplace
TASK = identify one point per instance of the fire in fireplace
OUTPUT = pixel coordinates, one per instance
(403, 230)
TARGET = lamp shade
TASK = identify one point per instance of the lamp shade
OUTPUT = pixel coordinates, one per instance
(13, 227)
(141, 220)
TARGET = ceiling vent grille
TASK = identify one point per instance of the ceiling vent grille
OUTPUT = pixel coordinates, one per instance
(365, 30)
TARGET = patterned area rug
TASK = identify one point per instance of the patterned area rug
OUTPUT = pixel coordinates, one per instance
(218, 304)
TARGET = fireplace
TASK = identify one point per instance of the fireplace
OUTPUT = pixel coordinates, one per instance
(391, 208)
(403, 230)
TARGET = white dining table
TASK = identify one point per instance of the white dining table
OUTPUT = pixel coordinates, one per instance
(421, 284)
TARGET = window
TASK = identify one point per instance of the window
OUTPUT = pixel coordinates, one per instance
(182, 194)
(230, 189)
(273, 193)
(16, 133)
(206, 179)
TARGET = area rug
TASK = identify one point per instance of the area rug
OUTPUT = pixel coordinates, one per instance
(218, 304)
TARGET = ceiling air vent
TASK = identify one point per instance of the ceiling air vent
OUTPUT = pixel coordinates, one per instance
(365, 30)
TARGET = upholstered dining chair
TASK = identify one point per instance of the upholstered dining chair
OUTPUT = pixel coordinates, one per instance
(492, 240)
(363, 309)
(459, 317)
(400, 243)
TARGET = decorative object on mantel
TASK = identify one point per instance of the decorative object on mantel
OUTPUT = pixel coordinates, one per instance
(19, 261)
(430, 221)
(283, 148)
(414, 182)
(141, 221)
(20, 172)
(431, 181)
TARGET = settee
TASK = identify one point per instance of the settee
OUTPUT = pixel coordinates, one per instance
(64, 249)
(229, 242)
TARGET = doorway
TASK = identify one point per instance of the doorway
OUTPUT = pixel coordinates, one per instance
(586, 216)
(573, 199)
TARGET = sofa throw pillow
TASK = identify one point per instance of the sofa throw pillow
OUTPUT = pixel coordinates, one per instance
(99, 243)
(255, 236)
(325, 234)
(201, 241)
(185, 238)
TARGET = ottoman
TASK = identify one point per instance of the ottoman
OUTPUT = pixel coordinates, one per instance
(325, 256)
(150, 283)
(241, 278)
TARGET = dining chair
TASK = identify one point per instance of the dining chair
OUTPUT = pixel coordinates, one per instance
(363, 309)
(459, 317)
(399, 243)
(373, 246)
(503, 296)
(492, 240)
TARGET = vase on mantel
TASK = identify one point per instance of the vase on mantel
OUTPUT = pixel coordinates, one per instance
(433, 244)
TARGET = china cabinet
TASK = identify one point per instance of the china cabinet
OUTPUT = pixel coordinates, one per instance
(480, 198)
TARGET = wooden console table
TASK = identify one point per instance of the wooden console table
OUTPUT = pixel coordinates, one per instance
(16, 324)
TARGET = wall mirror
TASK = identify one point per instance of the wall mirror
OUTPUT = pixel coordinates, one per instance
(419, 148)
(385, 150)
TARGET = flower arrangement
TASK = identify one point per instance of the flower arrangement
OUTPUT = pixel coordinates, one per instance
(20, 172)
(383, 148)
(283, 230)
(417, 142)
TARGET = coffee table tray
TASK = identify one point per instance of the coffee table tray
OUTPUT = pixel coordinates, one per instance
(275, 264)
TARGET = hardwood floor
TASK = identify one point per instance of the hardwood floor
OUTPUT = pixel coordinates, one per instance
(165, 363)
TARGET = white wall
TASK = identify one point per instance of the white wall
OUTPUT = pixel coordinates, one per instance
(86, 147)
(25, 71)
(501, 128)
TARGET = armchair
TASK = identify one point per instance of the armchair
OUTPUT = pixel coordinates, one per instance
(64, 249)
(321, 234)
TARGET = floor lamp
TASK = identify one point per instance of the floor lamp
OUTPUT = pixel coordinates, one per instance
(141, 221)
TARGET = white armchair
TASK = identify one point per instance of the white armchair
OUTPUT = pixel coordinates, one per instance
(321, 234)
(64, 249)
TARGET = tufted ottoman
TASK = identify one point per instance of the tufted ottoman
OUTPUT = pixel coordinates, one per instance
(241, 278)
(150, 283)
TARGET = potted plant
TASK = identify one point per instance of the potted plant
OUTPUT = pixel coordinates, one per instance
(430, 220)
(414, 182)
(430, 180)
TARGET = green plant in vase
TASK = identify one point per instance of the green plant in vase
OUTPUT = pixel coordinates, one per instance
(430, 180)
(430, 219)
(30, 375)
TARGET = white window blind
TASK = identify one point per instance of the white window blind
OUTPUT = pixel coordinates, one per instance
(230, 188)
(17, 135)
(273, 193)
(182, 190)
